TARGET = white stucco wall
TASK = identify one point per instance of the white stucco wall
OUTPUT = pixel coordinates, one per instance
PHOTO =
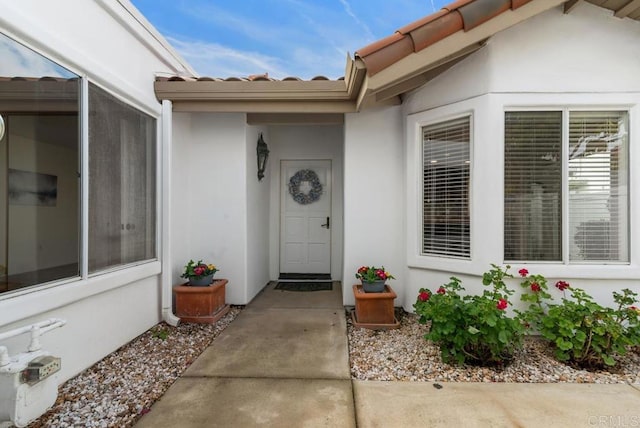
(209, 196)
(106, 310)
(373, 196)
(584, 60)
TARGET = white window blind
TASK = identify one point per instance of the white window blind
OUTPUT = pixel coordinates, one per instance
(595, 189)
(532, 186)
(446, 161)
(598, 183)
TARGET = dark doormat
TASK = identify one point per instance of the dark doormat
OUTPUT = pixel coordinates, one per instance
(304, 286)
(316, 276)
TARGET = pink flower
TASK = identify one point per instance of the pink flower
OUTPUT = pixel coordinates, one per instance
(198, 270)
(424, 296)
(502, 304)
(562, 285)
(380, 274)
(535, 287)
(441, 290)
(523, 272)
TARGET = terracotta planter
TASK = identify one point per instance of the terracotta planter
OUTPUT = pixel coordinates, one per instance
(204, 305)
(374, 310)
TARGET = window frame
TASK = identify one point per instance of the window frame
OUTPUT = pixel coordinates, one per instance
(65, 291)
(475, 109)
(566, 110)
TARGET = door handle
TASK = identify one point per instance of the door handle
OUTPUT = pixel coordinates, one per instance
(327, 224)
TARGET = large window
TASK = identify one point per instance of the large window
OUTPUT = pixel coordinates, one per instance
(445, 166)
(40, 174)
(566, 186)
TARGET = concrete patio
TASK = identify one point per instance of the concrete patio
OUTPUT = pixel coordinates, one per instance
(284, 362)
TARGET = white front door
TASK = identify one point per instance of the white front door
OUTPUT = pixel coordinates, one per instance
(305, 216)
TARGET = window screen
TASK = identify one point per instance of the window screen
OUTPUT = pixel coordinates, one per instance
(122, 183)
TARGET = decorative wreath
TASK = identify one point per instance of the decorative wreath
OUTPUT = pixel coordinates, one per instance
(294, 187)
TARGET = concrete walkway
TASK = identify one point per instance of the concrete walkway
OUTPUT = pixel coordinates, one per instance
(284, 363)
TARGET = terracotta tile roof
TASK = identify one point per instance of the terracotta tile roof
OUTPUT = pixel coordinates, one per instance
(252, 78)
(462, 15)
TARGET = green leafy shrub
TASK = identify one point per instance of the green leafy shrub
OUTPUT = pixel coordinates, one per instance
(468, 328)
(582, 332)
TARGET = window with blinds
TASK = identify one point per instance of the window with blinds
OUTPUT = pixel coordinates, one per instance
(532, 182)
(598, 183)
(445, 166)
(595, 150)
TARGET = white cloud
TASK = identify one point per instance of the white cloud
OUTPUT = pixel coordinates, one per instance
(214, 60)
(365, 27)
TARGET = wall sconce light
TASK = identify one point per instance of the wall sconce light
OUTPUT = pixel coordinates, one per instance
(263, 153)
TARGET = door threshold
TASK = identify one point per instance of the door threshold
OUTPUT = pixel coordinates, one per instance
(300, 277)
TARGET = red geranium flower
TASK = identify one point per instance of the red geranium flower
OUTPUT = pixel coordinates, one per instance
(562, 285)
(523, 272)
(362, 269)
(502, 304)
(441, 290)
(424, 296)
(535, 287)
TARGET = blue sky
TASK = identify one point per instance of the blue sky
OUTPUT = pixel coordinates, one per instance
(303, 38)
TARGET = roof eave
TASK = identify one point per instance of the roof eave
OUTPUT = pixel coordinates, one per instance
(282, 96)
(411, 71)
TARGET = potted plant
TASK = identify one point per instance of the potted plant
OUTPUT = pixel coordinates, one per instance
(373, 278)
(201, 300)
(198, 273)
(374, 299)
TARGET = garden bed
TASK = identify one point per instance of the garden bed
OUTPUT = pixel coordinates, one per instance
(404, 355)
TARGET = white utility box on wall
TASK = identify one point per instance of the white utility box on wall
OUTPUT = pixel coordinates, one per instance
(28, 381)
